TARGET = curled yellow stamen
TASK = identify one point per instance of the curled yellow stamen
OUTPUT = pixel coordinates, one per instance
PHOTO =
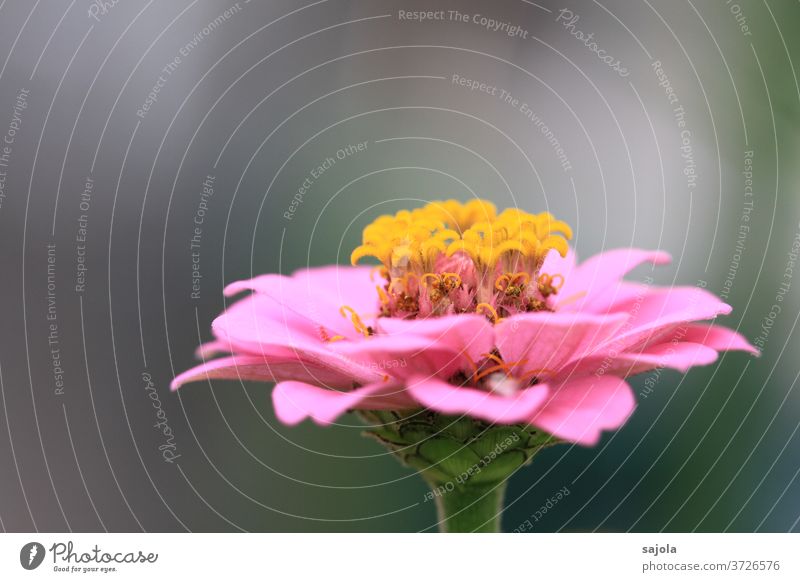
(442, 284)
(424, 279)
(356, 320)
(455, 277)
(510, 279)
(491, 310)
(548, 285)
(526, 278)
(498, 282)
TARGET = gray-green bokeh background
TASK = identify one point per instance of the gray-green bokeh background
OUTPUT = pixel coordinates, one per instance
(264, 96)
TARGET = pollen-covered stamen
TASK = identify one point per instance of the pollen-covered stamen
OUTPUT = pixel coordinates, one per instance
(450, 281)
(501, 283)
(439, 286)
(512, 284)
(436, 279)
(359, 326)
(550, 284)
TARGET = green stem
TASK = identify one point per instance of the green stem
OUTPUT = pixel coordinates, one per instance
(476, 508)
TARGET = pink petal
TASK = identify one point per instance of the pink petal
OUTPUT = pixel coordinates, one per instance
(677, 355)
(579, 410)
(616, 300)
(296, 401)
(719, 338)
(448, 399)
(658, 314)
(319, 292)
(430, 346)
(230, 368)
(597, 278)
(555, 264)
(211, 349)
(464, 332)
(541, 343)
(297, 314)
(400, 357)
(258, 325)
(275, 369)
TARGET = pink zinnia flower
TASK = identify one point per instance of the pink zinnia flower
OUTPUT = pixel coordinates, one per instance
(471, 313)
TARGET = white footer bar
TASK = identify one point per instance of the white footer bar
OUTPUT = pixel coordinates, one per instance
(387, 557)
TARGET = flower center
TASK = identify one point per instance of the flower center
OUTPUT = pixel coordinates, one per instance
(493, 374)
(448, 257)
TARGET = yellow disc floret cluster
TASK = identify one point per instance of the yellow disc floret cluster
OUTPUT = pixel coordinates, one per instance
(417, 249)
(514, 237)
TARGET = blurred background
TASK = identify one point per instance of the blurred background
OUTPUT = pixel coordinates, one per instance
(154, 151)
